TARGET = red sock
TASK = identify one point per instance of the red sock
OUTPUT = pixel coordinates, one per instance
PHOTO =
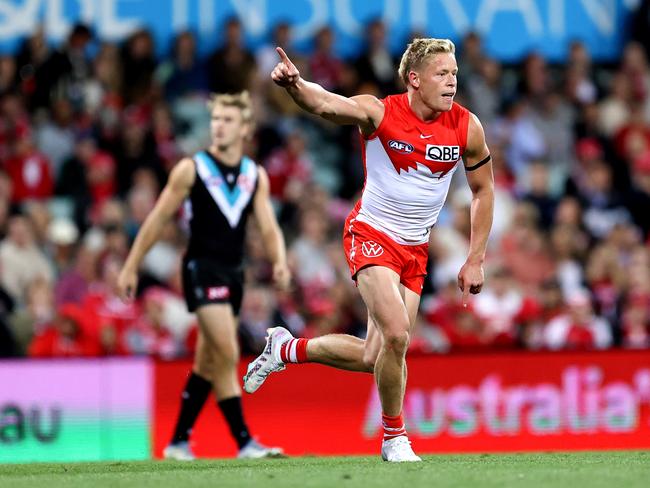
(393, 426)
(294, 351)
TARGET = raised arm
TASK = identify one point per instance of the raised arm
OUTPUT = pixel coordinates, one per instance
(366, 111)
(176, 190)
(270, 230)
(478, 169)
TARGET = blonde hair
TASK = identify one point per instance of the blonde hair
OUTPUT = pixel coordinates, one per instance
(241, 100)
(418, 50)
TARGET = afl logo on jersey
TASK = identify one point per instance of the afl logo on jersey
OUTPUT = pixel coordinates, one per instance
(442, 154)
(400, 146)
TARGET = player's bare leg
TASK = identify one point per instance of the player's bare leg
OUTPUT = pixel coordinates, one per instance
(346, 352)
(219, 328)
(195, 393)
(386, 301)
(380, 289)
(340, 351)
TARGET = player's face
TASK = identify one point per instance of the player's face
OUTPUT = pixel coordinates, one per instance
(438, 81)
(227, 126)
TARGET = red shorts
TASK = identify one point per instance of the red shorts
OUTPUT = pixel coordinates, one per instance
(365, 246)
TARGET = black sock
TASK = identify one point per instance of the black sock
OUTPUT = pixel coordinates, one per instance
(232, 411)
(196, 392)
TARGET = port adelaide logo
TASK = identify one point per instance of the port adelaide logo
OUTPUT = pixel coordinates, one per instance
(400, 146)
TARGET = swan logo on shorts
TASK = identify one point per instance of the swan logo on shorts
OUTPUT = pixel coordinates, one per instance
(371, 249)
(400, 146)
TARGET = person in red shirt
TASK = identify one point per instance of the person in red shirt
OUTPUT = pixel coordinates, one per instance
(68, 336)
(29, 171)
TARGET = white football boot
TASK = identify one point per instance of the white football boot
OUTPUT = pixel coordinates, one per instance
(179, 452)
(255, 450)
(398, 450)
(269, 361)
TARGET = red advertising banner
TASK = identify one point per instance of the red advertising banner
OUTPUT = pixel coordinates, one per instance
(473, 403)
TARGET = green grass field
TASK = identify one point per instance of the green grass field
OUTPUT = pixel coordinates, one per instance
(576, 470)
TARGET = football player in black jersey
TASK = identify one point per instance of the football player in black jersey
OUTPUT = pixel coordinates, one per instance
(221, 188)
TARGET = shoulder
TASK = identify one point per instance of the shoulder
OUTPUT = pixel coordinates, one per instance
(475, 136)
(475, 132)
(183, 173)
(372, 105)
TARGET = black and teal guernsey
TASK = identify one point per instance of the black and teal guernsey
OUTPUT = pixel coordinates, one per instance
(218, 207)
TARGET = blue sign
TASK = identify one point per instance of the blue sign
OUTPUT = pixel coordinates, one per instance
(510, 28)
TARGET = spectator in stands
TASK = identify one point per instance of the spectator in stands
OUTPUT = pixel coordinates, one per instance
(137, 149)
(525, 250)
(8, 74)
(63, 73)
(231, 68)
(568, 246)
(257, 315)
(20, 259)
(290, 169)
(603, 205)
(614, 109)
(539, 193)
(139, 64)
(29, 171)
(637, 200)
(308, 254)
(69, 335)
(56, 137)
(73, 283)
(148, 334)
(449, 326)
(578, 84)
(34, 317)
(325, 67)
(183, 74)
(485, 91)
(502, 306)
(15, 125)
(376, 64)
(636, 322)
(164, 135)
(579, 328)
(103, 92)
(31, 61)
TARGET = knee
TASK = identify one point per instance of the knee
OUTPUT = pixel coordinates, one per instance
(227, 354)
(203, 368)
(397, 342)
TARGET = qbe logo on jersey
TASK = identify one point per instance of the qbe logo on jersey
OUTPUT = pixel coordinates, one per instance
(442, 154)
(371, 249)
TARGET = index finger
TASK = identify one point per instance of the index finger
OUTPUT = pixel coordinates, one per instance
(466, 288)
(283, 55)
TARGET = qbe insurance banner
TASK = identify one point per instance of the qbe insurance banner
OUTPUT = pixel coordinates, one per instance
(74, 410)
(462, 403)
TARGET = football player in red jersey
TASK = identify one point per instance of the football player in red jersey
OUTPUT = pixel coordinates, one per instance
(412, 144)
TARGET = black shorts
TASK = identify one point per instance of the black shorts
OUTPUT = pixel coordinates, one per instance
(206, 282)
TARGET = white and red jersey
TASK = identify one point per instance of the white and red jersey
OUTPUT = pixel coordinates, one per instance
(408, 165)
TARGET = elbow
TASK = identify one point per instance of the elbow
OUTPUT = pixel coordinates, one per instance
(483, 190)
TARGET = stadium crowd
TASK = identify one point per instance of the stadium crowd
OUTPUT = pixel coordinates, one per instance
(86, 143)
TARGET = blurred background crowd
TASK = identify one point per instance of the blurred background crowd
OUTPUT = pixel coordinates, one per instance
(86, 143)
